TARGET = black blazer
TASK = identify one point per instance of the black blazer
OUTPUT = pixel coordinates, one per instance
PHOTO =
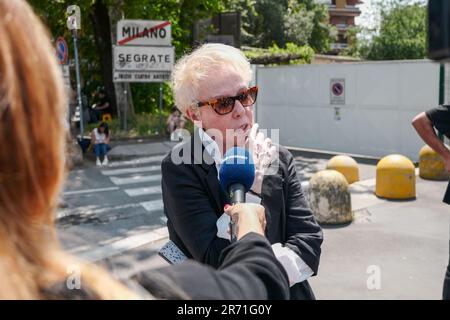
(194, 200)
(248, 270)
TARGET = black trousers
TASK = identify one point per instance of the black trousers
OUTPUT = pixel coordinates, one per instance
(302, 291)
(446, 291)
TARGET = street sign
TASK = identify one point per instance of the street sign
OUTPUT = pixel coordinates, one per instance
(144, 33)
(66, 75)
(62, 50)
(337, 91)
(73, 17)
(130, 76)
(143, 59)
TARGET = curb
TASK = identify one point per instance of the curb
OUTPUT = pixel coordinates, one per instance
(325, 154)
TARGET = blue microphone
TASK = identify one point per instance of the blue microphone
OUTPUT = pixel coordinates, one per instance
(236, 176)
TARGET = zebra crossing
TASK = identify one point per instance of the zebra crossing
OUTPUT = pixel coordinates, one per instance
(139, 178)
(117, 209)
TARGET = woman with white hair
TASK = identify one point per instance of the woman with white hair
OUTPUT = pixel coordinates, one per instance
(211, 88)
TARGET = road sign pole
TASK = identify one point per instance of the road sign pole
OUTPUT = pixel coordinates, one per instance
(77, 70)
(160, 108)
(125, 111)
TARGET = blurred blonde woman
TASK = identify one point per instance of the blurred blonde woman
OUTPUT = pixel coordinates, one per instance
(32, 161)
(32, 170)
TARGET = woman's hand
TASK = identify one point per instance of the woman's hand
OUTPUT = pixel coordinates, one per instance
(263, 154)
(249, 217)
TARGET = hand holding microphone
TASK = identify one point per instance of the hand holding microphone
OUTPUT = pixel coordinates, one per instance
(248, 217)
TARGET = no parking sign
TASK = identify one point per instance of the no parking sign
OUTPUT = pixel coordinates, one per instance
(62, 50)
(337, 91)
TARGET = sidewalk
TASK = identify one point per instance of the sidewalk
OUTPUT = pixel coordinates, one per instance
(123, 150)
(403, 243)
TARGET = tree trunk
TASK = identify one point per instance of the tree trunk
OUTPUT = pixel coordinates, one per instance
(123, 89)
(102, 32)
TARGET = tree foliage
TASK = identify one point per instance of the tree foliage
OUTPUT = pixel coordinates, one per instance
(298, 25)
(401, 33)
(357, 42)
(268, 22)
(292, 54)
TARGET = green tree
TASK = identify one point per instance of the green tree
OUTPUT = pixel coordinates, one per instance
(298, 25)
(358, 45)
(266, 23)
(271, 23)
(323, 32)
(402, 32)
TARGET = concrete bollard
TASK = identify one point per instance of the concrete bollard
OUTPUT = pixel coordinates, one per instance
(431, 165)
(395, 178)
(74, 156)
(329, 197)
(345, 165)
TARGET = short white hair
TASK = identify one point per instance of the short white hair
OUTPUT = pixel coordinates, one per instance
(191, 69)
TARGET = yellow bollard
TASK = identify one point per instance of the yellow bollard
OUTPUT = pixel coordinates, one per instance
(345, 165)
(396, 178)
(431, 165)
(329, 197)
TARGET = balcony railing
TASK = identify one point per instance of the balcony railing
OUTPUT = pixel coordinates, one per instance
(338, 46)
(342, 26)
(333, 8)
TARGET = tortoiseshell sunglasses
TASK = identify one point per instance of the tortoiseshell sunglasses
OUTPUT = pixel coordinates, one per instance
(225, 105)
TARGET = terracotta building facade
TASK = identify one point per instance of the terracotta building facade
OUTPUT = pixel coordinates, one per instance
(342, 15)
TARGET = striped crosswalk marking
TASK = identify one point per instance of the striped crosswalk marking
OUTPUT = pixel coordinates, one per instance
(135, 179)
(115, 172)
(135, 192)
(149, 206)
(138, 161)
(102, 251)
(89, 191)
(155, 205)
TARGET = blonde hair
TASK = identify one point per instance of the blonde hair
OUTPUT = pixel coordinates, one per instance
(208, 59)
(32, 163)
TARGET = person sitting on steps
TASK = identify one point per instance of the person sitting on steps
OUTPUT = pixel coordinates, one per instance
(100, 137)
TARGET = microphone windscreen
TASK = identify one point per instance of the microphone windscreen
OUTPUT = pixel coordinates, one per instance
(237, 167)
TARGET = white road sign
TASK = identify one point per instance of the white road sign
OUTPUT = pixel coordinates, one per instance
(144, 33)
(144, 59)
(130, 76)
(66, 75)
